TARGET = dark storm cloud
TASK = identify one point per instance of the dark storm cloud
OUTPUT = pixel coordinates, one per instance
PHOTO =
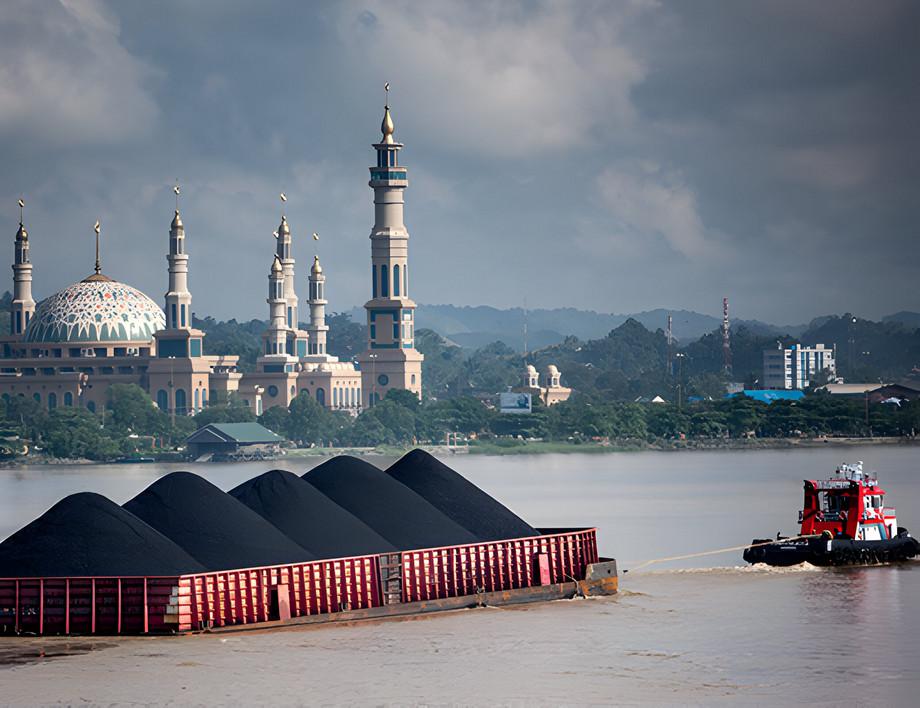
(614, 156)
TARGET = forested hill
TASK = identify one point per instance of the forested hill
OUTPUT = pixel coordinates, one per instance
(474, 327)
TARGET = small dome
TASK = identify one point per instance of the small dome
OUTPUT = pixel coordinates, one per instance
(177, 221)
(21, 233)
(97, 309)
(551, 369)
(276, 265)
(531, 369)
(284, 229)
(317, 268)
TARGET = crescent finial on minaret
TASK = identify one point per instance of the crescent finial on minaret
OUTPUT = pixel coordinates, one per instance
(386, 127)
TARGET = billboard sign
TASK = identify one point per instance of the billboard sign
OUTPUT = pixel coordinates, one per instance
(514, 403)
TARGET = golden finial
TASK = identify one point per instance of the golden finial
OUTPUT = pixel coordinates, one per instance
(176, 191)
(22, 206)
(386, 127)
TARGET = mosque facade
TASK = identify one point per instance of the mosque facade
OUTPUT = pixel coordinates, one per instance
(70, 348)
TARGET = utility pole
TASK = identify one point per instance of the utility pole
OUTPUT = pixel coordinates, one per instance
(373, 358)
(680, 378)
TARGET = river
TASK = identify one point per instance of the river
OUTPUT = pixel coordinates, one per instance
(700, 631)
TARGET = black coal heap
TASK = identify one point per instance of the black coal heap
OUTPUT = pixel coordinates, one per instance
(216, 529)
(390, 508)
(308, 516)
(88, 534)
(458, 498)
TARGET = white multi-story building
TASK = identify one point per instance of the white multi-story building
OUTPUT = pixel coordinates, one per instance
(794, 367)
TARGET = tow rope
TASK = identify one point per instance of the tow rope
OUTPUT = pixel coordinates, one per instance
(715, 552)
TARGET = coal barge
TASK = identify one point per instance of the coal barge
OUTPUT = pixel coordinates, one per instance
(347, 541)
(844, 521)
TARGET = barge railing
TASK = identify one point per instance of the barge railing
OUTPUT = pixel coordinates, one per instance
(169, 604)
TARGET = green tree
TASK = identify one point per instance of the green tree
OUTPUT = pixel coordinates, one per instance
(234, 411)
(26, 415)
(76, 433)
(131, 410)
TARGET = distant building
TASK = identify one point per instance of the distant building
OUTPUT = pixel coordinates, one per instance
(233, 440)
(552, 392)
(794, 367)
(875, 392)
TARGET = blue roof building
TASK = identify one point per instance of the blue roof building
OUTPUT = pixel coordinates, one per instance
(770, 395)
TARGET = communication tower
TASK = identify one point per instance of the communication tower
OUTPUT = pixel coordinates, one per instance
(726, 339)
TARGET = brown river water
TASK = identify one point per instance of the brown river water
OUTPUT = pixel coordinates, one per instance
(697, 632)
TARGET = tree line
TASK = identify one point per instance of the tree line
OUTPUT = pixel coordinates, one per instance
(131, 424)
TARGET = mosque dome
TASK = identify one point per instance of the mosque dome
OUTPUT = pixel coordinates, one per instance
(97, 309)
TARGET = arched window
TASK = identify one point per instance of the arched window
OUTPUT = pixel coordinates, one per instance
(335, 397)
(91, 406)
(37, 397)
(374, 280)
(68, 399)
(293, 391)
(163, 400)
(204, 398)
(52, 401)
(406, 280)
(396, 281)
(181, 402)
(384, 281)
(321, 396)
(197, 400)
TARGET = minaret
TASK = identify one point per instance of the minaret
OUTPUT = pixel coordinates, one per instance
(23, 306)
(178, 298)
(318, 327)
(287, 267)
(276, 334)
(391, 360)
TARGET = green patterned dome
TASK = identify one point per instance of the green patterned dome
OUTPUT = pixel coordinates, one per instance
(97, 309)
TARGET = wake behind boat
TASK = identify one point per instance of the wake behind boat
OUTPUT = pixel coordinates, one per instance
(844, 521)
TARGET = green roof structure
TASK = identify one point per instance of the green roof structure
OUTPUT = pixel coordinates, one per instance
(238, 433)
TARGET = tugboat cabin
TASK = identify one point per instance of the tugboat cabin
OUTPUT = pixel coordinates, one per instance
(849, 505)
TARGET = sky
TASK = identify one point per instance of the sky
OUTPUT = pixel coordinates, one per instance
(612, 156)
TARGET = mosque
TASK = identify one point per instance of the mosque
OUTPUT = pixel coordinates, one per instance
(71, 347)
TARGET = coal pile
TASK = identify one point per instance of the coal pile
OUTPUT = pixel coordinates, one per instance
(308, 516)
(458, 498)
(390, 508)
(213, 527)
(88, 534)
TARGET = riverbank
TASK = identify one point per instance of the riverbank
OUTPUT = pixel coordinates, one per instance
(510, 447)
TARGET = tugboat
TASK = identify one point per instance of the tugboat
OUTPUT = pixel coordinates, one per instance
(844, 522)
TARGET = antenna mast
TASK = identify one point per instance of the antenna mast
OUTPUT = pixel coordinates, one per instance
(670, 345)
(726, 339)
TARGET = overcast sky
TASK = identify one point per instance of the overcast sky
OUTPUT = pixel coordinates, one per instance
(615, 156)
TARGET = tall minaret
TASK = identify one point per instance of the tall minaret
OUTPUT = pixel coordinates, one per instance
(287, 267)
(391, 360)
(318, 327)
(23, 306)
(276, 335)
(178, 298)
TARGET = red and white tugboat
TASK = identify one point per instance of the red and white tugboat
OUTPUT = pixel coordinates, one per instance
(844, 522)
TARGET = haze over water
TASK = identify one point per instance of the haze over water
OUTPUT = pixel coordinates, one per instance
(699, 631)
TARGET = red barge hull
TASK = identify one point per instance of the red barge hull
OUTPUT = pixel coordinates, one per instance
(559, 563)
